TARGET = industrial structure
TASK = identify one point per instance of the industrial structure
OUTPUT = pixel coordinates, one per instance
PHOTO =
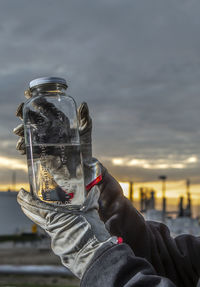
(12, 219)
(179, 220)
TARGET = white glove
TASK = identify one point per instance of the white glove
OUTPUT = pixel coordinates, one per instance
(75, 235)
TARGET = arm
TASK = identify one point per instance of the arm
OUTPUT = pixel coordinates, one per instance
(147, 240)
(121, 218)
(81, 241)
(117, 266)
(177, 259)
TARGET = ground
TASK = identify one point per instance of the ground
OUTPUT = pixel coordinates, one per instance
(37, 281)
(32, 256)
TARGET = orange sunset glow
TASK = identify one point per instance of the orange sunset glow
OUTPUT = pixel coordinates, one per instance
(174, 189)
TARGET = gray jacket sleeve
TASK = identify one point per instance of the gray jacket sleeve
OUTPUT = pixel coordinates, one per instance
(117, 266)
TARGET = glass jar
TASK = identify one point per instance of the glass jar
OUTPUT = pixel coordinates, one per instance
(53, 144)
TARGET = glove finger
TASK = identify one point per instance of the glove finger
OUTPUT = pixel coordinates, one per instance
(58, 171)
(19, 111)
(20, 146)
(34, 116)
(34, 205)
(35, 217)
(49, 110)
(84, 116)
(19, 130)
(37, 118)
(41, 104)
(28, 94)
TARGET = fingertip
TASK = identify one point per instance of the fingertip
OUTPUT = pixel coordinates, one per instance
(84, 104)
(19, 130)
(20, 146)
(24, 191)
(83, 114)
(85, 109)
(23, 194)
(19, 111)
(27, 94)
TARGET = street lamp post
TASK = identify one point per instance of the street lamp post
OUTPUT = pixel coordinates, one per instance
(131, 191)
(163, 178)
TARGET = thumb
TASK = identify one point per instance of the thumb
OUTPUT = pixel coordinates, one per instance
(84, 117)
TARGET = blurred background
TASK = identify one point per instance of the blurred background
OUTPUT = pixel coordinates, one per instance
(137, 65)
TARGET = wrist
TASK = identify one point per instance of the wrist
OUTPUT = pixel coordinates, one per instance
(91, 250)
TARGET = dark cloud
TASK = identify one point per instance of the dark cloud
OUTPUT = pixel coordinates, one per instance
(136, 63)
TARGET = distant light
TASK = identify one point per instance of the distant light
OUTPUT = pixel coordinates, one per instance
(154, 163)
(192, 159)
(12, 163)
(117, 161)
(146, 165)
(133, 162)
(162, 166)
(178, 165)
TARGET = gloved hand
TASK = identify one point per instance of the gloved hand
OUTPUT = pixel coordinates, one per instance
(92, 168)
(75, 235)
(111, 202)
(113, 206)
(117, 212)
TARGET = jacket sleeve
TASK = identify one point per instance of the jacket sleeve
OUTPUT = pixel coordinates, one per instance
(177, 259)
(117, 266)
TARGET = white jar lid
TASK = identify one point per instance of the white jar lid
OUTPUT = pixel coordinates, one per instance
(47, 80)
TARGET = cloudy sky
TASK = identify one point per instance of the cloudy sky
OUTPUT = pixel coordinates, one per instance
(136, 64)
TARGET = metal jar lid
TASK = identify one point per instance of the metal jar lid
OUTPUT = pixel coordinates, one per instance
(47, 80)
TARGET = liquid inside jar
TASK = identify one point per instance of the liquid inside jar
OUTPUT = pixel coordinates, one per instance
(58, 174)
